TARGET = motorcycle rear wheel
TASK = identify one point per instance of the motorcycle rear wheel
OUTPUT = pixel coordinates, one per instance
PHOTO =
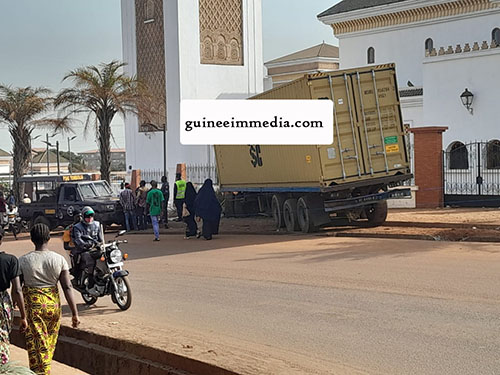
(123, 296)
(88, 299)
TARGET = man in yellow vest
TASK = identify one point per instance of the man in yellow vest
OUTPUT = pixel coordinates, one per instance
(179, 194)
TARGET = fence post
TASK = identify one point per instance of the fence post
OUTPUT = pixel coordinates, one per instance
(136, 178)
(428, 149)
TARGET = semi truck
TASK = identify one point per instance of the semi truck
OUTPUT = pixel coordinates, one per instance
(305, 187)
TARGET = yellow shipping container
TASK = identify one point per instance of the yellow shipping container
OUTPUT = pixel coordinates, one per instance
(368, 155)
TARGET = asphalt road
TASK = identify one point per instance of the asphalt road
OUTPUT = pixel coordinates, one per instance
(311, 305)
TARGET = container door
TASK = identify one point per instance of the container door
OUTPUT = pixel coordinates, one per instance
(341, 161)
(380, 123)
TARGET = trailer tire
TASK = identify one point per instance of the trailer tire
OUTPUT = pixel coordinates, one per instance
(305, 215)
(277, 203)
(290, 215)
(376, 213)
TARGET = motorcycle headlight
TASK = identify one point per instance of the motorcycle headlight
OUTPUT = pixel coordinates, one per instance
(110, 207)
(116, 256)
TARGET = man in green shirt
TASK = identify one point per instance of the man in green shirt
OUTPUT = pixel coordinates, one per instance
(154, 201)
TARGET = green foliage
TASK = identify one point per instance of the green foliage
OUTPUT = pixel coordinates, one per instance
(100, 92)
(24, 110)
(77, 162)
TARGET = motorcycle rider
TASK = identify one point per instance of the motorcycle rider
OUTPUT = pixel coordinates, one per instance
(69, 245)
(85, 235)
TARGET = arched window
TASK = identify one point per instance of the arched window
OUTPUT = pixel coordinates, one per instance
(458, 156)
(429, 45)
(371, 55)
(495, 35)
(493, 154)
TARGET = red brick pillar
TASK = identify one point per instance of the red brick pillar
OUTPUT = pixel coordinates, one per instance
(181, 168)
(428, 151)
(136, 179)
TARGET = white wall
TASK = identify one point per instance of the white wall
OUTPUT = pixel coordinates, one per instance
(446, 77)
(412, 109)
(404, 44)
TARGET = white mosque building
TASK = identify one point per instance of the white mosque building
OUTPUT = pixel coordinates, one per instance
(187, 49)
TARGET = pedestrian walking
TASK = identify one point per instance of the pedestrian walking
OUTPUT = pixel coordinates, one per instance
(189, 213)
(127, 200)
(9, 274)
(165, 189)
(140, 201)
(42, 269)
(179, 194)
(154, 202)
(208, 208)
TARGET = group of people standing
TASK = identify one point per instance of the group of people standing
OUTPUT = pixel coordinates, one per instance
(136, 210)
(192, 207)
(34, 280)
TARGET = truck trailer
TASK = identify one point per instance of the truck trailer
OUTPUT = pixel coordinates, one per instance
(305, 187)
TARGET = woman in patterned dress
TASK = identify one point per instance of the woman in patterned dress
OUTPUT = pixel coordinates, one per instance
(9, 273)
(42, 269)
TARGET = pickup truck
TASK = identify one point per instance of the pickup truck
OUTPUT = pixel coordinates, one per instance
(56, 198)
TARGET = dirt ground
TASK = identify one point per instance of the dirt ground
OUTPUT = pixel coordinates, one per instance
(446, 224)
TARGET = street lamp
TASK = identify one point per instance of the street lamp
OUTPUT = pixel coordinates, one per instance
(467, 99)
(69, 153)
(48, 155)
(31, 152)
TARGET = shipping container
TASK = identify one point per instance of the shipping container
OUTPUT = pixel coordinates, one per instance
(307, 186)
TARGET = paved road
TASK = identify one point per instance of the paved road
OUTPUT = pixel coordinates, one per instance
(312, 305)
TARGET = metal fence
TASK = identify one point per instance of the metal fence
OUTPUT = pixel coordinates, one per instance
(198, 173)
(411, 157)
(149, 175)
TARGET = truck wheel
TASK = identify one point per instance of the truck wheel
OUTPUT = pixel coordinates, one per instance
(42, 220)
(290, 215)
(305, 216)
(277, 203)
(376, 213)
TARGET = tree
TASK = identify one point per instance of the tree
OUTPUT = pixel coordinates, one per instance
(100, 92)
(24, 110)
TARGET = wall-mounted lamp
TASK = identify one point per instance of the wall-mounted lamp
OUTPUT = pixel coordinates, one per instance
(467, 99)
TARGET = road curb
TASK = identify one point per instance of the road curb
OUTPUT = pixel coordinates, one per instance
(395, 236)
(103, 355)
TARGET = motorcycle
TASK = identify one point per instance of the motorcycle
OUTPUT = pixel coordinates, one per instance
(11, 221)
(109, 276)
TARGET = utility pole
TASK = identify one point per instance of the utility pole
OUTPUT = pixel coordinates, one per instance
(47, 154)
(165, 150)
(31, 152)
(57, 155)
(69, 153)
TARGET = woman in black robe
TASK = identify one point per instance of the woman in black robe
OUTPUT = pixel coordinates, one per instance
(192, 227)
(207, 207)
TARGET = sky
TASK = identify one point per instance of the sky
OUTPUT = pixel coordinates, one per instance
(41, 40)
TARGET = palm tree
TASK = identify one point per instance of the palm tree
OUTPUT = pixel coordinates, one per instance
(24, 110)
(100, 92)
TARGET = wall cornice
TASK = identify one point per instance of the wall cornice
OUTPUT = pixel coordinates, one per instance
(303, 61)
(462, 52)
(404, 13)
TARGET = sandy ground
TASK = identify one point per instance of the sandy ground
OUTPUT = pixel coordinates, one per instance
(296, 304)
(457, 224)
(19, 355)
